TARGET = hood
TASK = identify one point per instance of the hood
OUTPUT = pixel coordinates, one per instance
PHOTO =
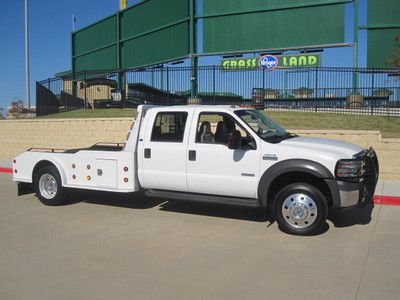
(321, 145)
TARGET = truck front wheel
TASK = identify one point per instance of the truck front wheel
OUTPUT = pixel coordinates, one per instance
(47, 184)
(300, 209)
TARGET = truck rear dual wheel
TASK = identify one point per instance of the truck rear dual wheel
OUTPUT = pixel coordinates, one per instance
(48, 188)
(300, 209)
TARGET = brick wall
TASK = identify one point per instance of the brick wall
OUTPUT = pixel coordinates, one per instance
(18, 135)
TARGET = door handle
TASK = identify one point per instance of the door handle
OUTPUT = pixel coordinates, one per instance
(147, 153)
(192, 155)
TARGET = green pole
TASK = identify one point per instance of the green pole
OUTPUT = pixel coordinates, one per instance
(355, 47)
(73, 83)
(193, 50)
(120, 83)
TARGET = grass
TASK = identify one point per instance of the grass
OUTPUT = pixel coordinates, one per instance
(389, 126)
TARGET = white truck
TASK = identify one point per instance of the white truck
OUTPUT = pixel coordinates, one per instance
(215, 154)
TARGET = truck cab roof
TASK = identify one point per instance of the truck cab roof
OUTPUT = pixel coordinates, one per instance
(219, 108)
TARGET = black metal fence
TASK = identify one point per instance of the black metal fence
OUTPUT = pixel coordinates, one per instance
(329, 90)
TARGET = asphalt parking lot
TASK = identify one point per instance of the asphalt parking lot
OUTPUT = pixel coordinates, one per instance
(103, 246)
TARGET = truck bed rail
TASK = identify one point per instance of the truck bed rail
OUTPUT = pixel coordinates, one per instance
(35, 149)
(101, 146)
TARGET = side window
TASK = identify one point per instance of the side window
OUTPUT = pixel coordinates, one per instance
(213, 128)
(206, 127)
(169, 127)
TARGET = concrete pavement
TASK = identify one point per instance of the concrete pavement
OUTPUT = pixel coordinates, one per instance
(103, 246)
(5, 163)
(5, 166)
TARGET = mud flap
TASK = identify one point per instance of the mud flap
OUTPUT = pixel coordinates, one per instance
(25, 188)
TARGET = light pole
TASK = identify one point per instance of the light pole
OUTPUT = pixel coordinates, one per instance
(27, 79)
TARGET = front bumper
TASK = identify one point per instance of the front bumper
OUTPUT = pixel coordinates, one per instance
(358, 191)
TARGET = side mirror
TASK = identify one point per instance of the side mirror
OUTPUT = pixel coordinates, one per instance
(234, 140)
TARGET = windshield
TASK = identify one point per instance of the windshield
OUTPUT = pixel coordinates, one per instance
(263, 126)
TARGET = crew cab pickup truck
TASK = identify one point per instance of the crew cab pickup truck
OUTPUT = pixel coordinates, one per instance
(215, 154)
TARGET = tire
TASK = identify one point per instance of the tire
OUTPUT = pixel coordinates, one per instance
(48, 188)
(300, 209)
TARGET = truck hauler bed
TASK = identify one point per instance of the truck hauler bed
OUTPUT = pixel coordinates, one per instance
(214, 154)
(103, 166)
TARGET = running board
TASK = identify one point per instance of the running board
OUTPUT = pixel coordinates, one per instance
(181, 196)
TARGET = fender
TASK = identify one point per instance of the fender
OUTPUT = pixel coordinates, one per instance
(293, 165)
(57, 164)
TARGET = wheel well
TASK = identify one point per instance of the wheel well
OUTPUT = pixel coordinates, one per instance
(40, 165)
(295, 177)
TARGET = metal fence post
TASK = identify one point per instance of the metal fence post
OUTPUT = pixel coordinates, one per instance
(84, 78)
(73, 83)
(316, 89)
(372, 91)
(48, 98)
(286, 84)
(162, 77)
(214, 85)
(124, 89)
(263, 87)
(167, 85)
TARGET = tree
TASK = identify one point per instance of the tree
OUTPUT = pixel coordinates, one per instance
(1, 113)
(395, 61)
(17, 110)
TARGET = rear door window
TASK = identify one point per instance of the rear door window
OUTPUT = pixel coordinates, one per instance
(169, 127)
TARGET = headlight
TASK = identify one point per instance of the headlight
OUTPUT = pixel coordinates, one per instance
(350, 168)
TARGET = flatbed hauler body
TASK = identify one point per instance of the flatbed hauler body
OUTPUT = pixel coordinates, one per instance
(216, 154)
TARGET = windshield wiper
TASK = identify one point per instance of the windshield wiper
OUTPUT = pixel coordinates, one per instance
(277, 138)
(290, 134)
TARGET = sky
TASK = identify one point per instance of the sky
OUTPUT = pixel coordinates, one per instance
(50, 26)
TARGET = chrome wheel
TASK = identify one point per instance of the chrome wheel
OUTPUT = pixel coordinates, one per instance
(48, 186)
(299, 210)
